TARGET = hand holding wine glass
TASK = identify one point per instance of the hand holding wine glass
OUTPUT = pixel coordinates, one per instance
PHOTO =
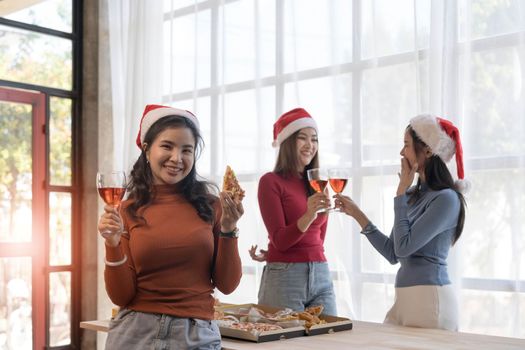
(111, 187)
(338, 178)
(318, 179)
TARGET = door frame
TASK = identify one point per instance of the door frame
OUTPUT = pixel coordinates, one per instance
(37, 249)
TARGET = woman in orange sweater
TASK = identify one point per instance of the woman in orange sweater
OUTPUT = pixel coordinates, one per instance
(171, 245)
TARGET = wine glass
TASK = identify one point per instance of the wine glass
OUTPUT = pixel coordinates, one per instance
(318, 179)
(338, 178)
(111, 187)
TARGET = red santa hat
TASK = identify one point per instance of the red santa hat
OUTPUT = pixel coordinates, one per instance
(152, 113)
(444, 141)
(289, 123)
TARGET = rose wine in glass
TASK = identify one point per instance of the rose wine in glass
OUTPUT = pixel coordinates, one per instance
(318, 180)
(338, 178)
(111, 187)
(338, 185)
(318, 185)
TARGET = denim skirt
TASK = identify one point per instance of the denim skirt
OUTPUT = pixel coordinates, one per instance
(297, 286)
(139, 330)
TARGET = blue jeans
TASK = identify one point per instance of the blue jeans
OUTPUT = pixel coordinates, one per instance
(140, 330)
(297, 286)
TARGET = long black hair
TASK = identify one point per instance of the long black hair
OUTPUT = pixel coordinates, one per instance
(140, 187)
(287, 161)
(437, 177)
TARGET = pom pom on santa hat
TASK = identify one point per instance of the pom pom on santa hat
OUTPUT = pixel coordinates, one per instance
(152, 113)
(444, 141)
(291, 122)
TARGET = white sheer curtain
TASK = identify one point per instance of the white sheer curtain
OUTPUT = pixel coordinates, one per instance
(362, 68)
(135, 41)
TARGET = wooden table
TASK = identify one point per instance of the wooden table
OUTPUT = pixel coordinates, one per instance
(376, 336)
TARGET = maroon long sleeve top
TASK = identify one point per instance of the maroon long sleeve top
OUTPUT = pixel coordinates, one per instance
(282, 201)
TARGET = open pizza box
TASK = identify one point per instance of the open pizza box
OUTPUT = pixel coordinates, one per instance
(290, 330)
(333, 324)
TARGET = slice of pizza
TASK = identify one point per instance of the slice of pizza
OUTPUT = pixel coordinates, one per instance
(230, 184)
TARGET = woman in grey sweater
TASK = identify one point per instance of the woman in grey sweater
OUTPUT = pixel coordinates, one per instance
(428, 220)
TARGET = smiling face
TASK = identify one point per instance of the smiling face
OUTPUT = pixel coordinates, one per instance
(171, 155)
(307, 145)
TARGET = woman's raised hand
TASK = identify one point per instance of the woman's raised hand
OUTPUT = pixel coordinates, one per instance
(110, 226)
(346, 205)
(232, 210)
(316, 202)
(406, 176)
(258, 257)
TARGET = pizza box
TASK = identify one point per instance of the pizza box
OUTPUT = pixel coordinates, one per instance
(262, 337)
(258, 337)
(333, 324)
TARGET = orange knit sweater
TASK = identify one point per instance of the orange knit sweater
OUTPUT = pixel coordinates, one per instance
(174, 262)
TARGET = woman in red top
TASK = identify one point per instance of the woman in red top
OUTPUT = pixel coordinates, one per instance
(172, 243)
(296, 274)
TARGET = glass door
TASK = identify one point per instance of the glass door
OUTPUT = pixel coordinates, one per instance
(23, 220)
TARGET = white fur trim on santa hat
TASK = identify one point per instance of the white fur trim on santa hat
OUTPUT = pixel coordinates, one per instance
(463, 186)
(152, 116)
(429, 131)
(294, 126)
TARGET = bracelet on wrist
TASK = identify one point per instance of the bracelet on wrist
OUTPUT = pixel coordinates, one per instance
(116, 263)
(231, 234)
(368, 229)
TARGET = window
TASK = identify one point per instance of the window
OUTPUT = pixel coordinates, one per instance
(39, 195)
(362, 69)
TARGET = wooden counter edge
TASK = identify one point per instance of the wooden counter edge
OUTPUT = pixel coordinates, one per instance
(103, 326)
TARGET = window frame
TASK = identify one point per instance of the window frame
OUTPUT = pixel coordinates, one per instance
(356, 67)
(74, 189)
